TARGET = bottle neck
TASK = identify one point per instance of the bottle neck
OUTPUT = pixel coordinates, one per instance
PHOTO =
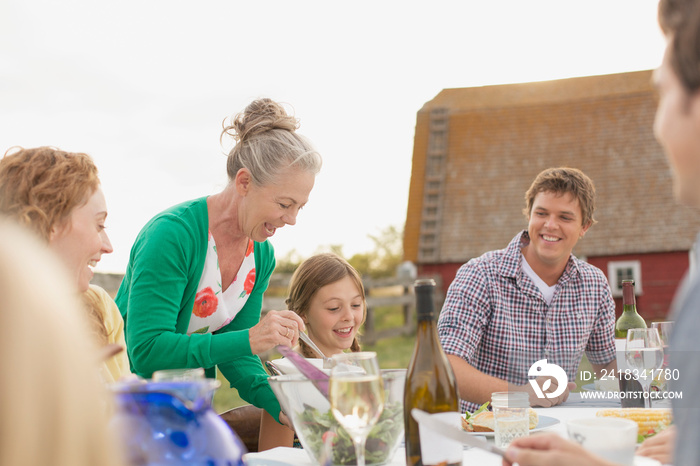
(427, 336)
(425, 305)
(630, 308)
(628, 300)
(426, 317)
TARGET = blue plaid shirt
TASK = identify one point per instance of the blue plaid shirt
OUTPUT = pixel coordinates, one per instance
(496, 319)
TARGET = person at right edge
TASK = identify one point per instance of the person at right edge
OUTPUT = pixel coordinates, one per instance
(533, 300)
(677, 128)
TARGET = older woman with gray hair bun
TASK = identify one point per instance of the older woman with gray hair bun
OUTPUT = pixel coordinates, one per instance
(192, 293)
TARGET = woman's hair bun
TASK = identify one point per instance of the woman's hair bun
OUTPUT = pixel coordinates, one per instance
(260, 116)
(267, 143)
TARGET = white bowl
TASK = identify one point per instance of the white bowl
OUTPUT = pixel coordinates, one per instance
(611, 438)
(286, 367)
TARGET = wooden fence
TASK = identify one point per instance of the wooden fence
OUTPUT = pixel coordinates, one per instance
(383, 292)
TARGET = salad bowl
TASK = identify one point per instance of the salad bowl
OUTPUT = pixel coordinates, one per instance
(314, 424)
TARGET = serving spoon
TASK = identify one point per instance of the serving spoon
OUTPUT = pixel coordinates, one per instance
(327, 362)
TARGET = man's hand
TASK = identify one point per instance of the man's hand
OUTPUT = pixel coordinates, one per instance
(547, 402)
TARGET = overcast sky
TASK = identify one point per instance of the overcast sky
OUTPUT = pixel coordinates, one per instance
(143, 87)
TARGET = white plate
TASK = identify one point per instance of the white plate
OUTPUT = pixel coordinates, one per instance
(544, 422)
(644, 461)
(280, 456)
(252, 461)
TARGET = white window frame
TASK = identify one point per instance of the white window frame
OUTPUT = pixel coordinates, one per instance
(615, 287)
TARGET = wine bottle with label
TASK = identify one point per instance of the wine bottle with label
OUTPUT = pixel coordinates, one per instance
(630, 318)
(430, 386)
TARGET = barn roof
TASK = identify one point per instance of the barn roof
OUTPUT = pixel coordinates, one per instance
(477, 150)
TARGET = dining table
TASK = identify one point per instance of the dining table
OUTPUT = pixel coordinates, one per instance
(552, 419)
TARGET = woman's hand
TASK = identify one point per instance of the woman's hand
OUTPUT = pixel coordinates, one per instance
(549, 450)
(276, 328)
(284, 420)
(660, 446)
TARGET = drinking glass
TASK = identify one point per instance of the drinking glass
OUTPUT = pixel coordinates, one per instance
(178, 375)
(664, 329)
(644, 353)
(356, 392)
(511, 416)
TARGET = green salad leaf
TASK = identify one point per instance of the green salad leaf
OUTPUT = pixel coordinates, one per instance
(651, 432)
(380, 440)
(468, 416)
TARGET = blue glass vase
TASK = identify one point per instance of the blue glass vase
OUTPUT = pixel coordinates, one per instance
(173, 424)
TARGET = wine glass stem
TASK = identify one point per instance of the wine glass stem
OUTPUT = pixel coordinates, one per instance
(360, 450)
(647, 394)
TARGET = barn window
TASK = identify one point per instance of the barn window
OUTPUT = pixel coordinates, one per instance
(624, 270)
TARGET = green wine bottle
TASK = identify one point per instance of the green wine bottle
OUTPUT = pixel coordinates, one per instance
(629, 318)
(430, 386)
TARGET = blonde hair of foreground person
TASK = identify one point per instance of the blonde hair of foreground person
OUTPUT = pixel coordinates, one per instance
(53, 408)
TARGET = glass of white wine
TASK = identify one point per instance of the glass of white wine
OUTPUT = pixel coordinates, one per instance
(356, 392)
(644, 353)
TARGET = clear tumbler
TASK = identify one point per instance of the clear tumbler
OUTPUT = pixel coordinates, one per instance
(511, 416)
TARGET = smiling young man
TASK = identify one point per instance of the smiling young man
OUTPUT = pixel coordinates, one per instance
(533, 300)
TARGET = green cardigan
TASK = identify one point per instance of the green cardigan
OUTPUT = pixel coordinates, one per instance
(157, 295)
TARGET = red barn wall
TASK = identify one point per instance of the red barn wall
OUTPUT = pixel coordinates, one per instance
(446, 272)
(661, 275)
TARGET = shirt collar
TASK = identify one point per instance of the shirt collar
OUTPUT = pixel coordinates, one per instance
(511, 265)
